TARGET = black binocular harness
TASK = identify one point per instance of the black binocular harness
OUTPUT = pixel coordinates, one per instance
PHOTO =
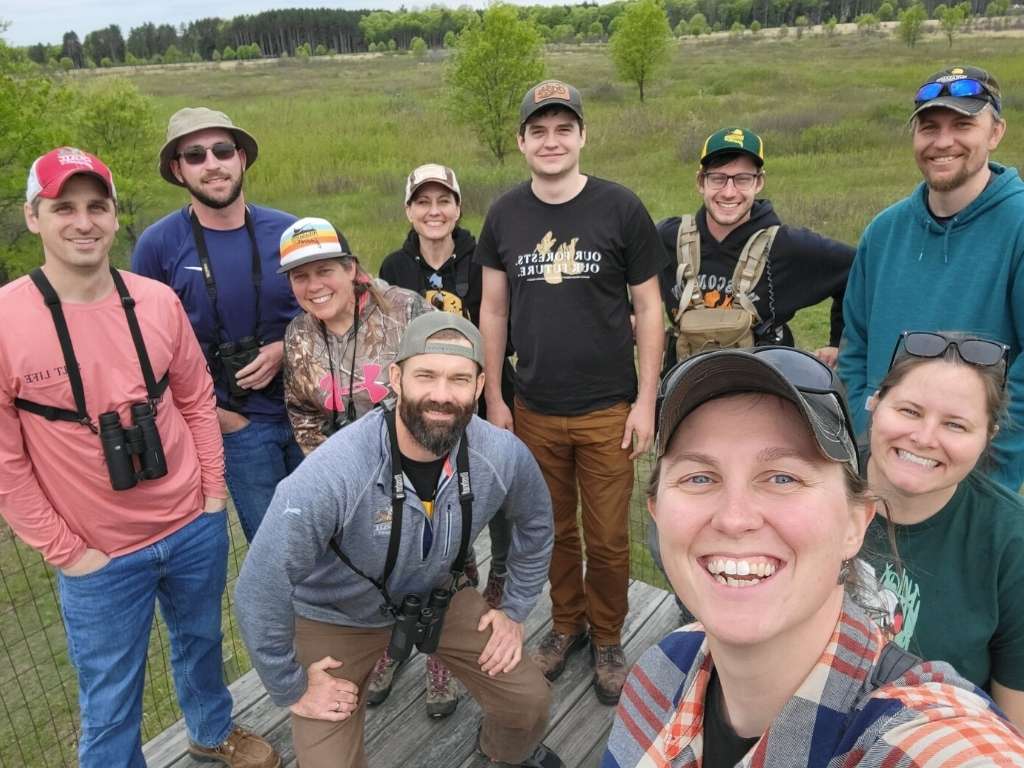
(154, 388)
(397, 504)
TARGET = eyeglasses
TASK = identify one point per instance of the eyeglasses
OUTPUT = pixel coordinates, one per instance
(973, 351)
(965, 87)
(744, 182)
(196, 154)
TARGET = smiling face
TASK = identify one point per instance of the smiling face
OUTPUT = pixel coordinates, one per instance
(551, 142)
(77, 228)
(754, 523)
(729, 207)
(437, 396)
(214, 183)
(950, 149)
(929, 430)
(324, 289)
(433, 211)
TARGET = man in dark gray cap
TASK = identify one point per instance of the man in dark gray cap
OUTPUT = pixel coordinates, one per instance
(566, 258)
(363, 549)
(948, 257)
(221, 258)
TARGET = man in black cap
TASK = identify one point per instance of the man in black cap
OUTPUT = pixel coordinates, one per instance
(950, 256)
(220, 255)
(736, 259)
(563, 254)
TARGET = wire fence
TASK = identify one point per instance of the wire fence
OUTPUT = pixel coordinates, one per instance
(38, 688)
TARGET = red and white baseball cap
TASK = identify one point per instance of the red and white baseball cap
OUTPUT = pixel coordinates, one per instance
(48, 173)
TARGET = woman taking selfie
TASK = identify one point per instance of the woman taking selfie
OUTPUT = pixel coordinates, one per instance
(760, 512)
(957, 593)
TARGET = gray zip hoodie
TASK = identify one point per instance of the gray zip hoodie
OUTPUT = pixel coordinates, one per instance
(341, 490)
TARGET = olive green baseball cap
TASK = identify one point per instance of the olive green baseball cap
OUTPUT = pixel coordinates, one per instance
(742, 140)
(192, 119)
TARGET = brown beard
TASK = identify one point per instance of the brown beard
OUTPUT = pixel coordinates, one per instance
(436, 439)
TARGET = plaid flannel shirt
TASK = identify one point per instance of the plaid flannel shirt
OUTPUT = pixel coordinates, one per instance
(930, 716)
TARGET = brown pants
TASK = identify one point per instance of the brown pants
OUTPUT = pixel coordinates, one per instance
(585, 449)
(515, 704)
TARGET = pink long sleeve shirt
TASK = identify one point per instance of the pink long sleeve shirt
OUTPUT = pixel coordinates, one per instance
(54, 486)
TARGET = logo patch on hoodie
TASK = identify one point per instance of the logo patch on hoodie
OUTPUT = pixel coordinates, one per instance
(382, 522)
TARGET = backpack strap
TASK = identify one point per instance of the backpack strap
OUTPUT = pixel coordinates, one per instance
(750, 266)
(688, 260)
(893, 663)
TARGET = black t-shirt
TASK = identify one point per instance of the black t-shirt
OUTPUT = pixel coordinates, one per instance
(424, 476)
(723, 748)
(568, 266)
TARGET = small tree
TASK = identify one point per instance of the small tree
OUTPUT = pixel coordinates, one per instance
(801, 24)
(912, 25)
(392, 45)
(321, 49)
(698, 24)
(952, 21)
(886, 12)
(495, 60)
(449, 39)
(640, 44)
(418, 46)
(596, 31)
(736, 30)
(215, 56)
(755, 27)
(229, 53)
(868, 24)
(173, 55)
(106, 63)
(783, 31)
(302, 51)
(830, 26)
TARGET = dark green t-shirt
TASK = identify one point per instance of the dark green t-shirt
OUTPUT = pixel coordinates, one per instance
(960, 597)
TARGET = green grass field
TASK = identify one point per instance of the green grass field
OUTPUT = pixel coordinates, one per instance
(338, 137)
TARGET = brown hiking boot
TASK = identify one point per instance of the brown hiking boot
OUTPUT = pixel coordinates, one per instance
(609, 672)
(494, 590)
(442, 695)
(241, 749)
(381, 679)
(554, 651)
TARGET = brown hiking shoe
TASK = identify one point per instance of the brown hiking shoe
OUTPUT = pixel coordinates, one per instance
(241, 749)
(554, 651)
(442, 695)
(381, 679)
(494, 590)
(609, 672)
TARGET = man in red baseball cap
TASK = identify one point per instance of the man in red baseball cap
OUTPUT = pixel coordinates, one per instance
(111, 465)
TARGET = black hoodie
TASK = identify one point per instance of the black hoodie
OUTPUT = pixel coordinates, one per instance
(803, 269)
(407, 268)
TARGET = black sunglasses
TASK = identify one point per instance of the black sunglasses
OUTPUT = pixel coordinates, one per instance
(973, 351)
(196, 154)
(965, 87)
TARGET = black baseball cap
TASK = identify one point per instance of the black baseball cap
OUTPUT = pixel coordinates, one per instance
(548, 93)
(785, 372)
(966, 90)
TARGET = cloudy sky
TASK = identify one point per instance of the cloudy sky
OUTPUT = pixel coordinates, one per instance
(46, 21)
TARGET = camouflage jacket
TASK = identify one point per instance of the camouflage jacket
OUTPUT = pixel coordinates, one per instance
(313, 390)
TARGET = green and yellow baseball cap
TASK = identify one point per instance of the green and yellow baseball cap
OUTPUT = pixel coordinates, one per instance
(733, 140)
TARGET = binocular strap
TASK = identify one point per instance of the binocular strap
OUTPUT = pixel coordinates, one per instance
(397, 505)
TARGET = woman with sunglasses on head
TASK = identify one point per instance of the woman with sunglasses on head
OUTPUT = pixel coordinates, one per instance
(957, 591)
(337, 352)
(761, 512)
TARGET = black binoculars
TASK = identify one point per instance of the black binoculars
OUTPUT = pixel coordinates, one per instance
(234, 356)
(122, 444)
(418, 625)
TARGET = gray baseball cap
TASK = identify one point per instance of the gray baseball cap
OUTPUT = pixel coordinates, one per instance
(550, 93)
(192, 119)
(415, 340)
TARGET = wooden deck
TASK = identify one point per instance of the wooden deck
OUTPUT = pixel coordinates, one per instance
(399, 733)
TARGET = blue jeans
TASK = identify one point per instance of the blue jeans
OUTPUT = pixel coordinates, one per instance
(257, 457)
(108, 615)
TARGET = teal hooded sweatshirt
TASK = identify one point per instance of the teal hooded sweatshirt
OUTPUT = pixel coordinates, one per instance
(913, 274)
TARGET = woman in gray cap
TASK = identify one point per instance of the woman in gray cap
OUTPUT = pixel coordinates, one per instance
(761, 512)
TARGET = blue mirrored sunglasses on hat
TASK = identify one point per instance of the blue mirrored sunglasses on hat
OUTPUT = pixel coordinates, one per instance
(965, 87)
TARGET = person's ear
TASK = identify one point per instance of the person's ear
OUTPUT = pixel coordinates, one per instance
(395, 378)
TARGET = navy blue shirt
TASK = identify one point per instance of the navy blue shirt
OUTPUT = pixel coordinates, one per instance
(167, 252)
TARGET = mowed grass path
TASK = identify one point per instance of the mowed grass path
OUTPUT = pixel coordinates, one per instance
(338, 137)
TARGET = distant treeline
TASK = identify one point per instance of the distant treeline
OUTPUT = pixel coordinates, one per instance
(319, 31)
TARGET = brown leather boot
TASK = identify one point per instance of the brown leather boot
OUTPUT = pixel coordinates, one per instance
(241, 749)
(554, 651)
(609, 672)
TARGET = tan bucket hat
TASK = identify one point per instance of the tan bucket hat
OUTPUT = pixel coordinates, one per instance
(192, 119)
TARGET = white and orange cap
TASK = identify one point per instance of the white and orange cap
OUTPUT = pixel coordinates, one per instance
(311, 239)
(48, 174)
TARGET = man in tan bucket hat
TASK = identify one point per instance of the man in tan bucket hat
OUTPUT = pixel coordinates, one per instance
(220, 255)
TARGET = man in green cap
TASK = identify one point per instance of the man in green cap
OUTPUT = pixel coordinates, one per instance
(736, 255)
(221, 257)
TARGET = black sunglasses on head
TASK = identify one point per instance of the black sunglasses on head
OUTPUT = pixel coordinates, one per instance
(973, 351)
(196, 154)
